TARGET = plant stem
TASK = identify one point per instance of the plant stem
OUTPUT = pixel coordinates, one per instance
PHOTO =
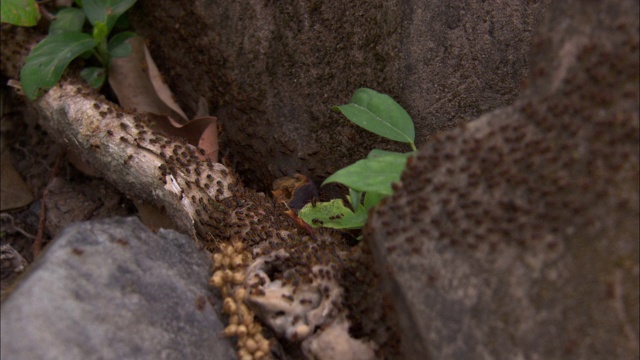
(103, 58)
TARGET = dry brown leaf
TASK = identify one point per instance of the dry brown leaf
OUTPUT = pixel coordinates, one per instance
(203, 108)
(161, 88)
(14, 193)
(295, 192)
(152, 216)
(201, 132)
(138, 84)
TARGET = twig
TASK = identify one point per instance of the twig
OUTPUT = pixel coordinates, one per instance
(37, 243)
(14, 227)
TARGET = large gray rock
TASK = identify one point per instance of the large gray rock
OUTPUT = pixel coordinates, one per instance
(517, 235)
(272, 70)
(112, 289)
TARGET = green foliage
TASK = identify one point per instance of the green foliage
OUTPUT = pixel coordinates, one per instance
(380, 114)
(369, 180)
(373, 174)
(67, 20)
(334, 214)
(118, 47)
(95, 76)
(47, 61)
(19, 12)
(106, 11)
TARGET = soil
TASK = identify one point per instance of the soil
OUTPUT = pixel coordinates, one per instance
(71, 195)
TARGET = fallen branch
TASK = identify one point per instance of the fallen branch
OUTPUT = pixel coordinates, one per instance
(126, 151)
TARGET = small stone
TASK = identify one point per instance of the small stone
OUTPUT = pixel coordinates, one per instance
(114, 301)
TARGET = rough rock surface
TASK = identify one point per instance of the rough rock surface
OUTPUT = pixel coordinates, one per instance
(273, 70)
(111, 289)
(516, 236)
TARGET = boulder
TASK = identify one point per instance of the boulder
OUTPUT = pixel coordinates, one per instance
(272, 70)
(112, 289)
(516, 236)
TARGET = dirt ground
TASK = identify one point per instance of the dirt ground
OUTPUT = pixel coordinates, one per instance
(44, 174)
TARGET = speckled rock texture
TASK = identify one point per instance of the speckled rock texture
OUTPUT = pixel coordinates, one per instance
(112, 289)
(272, 70)
(516, 236)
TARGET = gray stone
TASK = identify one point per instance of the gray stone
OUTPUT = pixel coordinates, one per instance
(112, 289)
(516, 236)
(272, 70)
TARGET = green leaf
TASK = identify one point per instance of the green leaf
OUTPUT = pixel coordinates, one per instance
(372, 199)
(95, 76)
(87, 54)
(118, 47)
(375, 153)
(123, 22)
(48, 60)
(19, 12)
(354, 198)
(106, 11)
(67, 19)
(374, 174)
(333, 214)
(380, 114)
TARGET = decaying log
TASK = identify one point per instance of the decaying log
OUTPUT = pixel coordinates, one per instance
(123, 149)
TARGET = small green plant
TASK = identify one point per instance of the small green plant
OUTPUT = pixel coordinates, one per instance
(19, 12)
(66, 41)
(369, 180)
